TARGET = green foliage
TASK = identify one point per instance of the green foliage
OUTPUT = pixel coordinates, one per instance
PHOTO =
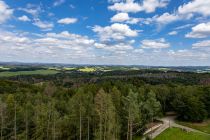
(95, 106)
(178, 134)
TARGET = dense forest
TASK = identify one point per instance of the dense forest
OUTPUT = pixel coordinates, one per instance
(114, 105)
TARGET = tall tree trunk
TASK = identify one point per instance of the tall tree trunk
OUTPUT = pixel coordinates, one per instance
(15, 125)
(53, 125)
(105, 127)
(48, 121)
(2, 122)
(26, 124)
(80, 125)
(88, 128)
(131, 129)
(128, 124)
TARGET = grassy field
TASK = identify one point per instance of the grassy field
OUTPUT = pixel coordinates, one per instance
(87, 69)
(35, 72)
(4, 68)
(204, 126)
(67, 68)
(178, 134)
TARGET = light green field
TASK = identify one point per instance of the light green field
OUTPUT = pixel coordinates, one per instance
(67, 68)
(87, 69)
(163, 69)
(36, 72)
(4, 68)
(204, 126)
(178, 134)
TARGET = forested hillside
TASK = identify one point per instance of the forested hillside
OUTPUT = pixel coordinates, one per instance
(98, 106)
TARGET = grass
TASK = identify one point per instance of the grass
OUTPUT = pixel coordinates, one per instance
(67, 68)
(4, 68)
(204, 126)
(87, 69)
(178, 134)
(35, 72)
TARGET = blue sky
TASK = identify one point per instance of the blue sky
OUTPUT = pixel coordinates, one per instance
(141, 32)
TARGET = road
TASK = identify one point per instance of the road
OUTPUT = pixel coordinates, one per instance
(170, 122)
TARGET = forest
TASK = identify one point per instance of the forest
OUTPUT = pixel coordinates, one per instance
(114, 105)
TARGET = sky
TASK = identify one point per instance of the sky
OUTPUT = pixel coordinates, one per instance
(106, 32)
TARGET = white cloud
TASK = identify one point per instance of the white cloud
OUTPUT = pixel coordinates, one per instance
(67, 21)
(201, 30)
(46, 47)
(32, 9)
(195, 6)
(116, 31)
(183, 26)
(155, 44)
(44, 25)
(202, 44)
(188, 54)
(166, 18)
(173, 33)
(184, 12)
(24, 18)
(120, 17)
(124, 17)
(148, 6)
(5, 12)
(58, 2)
(114, 47)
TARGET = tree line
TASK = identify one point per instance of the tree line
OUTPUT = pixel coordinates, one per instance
(101, 111)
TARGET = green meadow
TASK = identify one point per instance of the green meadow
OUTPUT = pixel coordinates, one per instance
(35, 72)
(178, 134)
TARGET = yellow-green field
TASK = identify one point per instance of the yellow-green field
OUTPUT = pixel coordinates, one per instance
(67, 68)
(35, 72)
(87, 69)
(178, 134)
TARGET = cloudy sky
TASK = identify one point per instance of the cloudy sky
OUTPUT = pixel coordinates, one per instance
(142, 32)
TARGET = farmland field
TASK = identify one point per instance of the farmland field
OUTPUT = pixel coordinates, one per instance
(178, 134)
(35, 72)
(87, 69)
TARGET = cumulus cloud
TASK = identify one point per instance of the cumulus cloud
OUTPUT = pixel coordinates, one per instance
(24, 18)
(184, 12)
(155, 44)
(124, 17)
(44, 25)
(201, 30)
(148, 6)
(114, 47)
(63, 45)
(202, 44)
(196, 6)
(5, 12)
(120, 17)
(67, 21)
(188, 54)
(166, 18)
(116, 31)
